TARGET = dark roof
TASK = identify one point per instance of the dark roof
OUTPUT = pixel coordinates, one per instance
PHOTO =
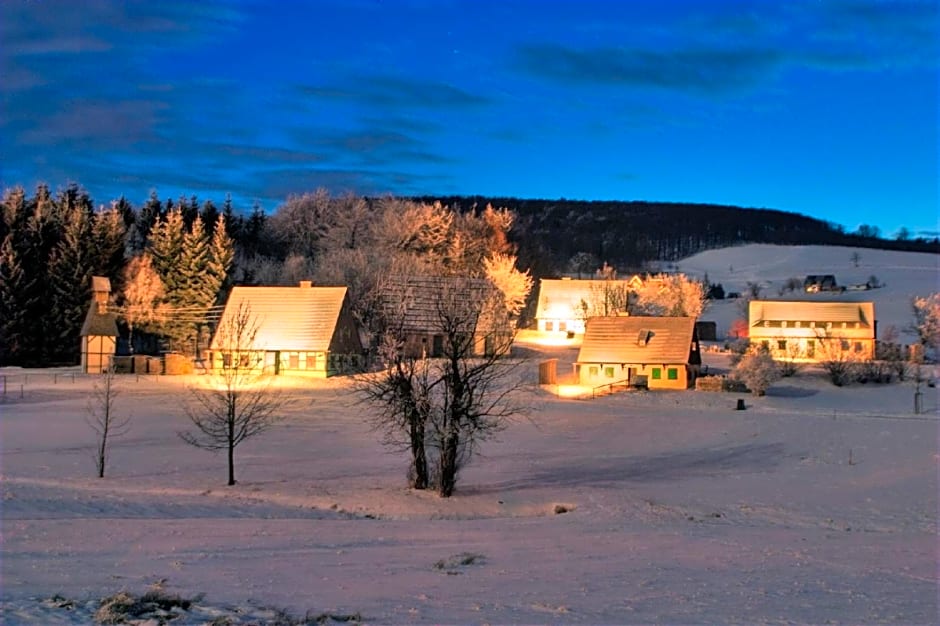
(99, 324)
(637, 339)
(413, 303)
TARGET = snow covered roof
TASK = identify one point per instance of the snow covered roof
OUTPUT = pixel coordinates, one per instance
(637, 339)
(299, 318)
(760, 311)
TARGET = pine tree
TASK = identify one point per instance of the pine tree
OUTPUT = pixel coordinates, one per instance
(221, 256)
(166, 248)
(108, 233)
(193, 289)
(13, 309)
(70, 270)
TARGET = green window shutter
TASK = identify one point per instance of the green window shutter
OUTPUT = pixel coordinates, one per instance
(657, 373)
(672, 373)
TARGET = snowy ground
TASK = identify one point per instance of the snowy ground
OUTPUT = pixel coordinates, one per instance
(814, 505)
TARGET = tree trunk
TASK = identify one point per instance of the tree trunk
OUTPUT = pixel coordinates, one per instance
(448, 465)
(231, 441)
(419, 459)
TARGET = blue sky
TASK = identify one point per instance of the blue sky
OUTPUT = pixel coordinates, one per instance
(824, 108)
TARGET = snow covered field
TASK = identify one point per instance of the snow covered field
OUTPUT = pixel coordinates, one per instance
(817, 504)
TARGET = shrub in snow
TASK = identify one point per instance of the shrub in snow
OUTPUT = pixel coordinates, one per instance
(757, 370)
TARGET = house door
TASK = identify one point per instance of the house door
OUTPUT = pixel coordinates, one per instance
(437, 348)
(272, 363)
(631, 372)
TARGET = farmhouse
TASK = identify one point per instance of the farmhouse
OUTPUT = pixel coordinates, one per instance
(814, 283)
(813, 331)
(421, 310)
(664, 350)
(303, 330)
(99, 331)
(564, 304)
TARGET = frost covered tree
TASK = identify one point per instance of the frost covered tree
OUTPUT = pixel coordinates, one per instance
(671, 295)
(926, 311)
(757, 370)
(235, 402)
(837, 358)
(142, 298)
(513, 286)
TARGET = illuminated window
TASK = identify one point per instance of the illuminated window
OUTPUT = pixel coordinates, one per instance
(562, 326)
(226, 360)
(293, 361)
(657, 373)
(311, 360)
(549, 325)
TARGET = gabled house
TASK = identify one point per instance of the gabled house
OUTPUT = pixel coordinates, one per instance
(664, 350)
(300, 331)
(814, 283)
(813, 331)
(565, 303)
(418, 309)
(99, 331)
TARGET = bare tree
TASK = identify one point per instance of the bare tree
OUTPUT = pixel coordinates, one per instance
(235, 402)
(474, 396)
(450, 405)
(401, 393)
(103, 419)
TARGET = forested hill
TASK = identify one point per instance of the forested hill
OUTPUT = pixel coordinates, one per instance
(558, 235)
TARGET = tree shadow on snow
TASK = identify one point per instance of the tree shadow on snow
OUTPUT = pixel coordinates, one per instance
(746, 458)
(789, 391)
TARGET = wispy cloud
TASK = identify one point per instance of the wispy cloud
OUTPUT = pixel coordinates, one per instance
(707, 70)
(397, 92)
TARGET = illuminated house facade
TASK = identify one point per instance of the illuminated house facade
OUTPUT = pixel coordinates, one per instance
(813, 331)
(564, 303)
(664, 350)
(301, 331)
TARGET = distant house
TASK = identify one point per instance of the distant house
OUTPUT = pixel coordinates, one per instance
(99, 331)
(414, 309)
(664, 350)
(814, 283)
(812, 331)
(564, 303)
(303, 330)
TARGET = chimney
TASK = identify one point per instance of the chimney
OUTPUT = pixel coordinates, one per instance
(306, 284)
